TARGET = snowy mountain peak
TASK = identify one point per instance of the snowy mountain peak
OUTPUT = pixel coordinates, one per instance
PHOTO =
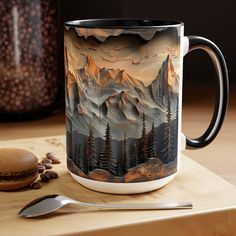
(171, 75)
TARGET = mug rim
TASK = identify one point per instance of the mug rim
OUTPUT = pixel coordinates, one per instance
(124, 23)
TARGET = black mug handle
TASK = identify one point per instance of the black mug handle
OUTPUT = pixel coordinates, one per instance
(196, 42)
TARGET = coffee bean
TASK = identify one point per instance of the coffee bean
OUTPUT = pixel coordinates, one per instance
(56, 161)
(52, 174)
(45, 178)
(29, 55)
(47, 165)
(46, 160)
(41, 168)
(36, 185)
(52, 156)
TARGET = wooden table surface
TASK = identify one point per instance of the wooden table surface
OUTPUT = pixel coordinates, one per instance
(213, 199)
(219, 157)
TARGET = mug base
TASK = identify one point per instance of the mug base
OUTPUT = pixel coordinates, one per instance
(123, 188)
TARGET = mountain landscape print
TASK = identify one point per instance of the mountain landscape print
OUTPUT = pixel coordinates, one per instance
(122, 104)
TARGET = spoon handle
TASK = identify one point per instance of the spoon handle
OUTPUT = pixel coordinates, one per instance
(140, 206)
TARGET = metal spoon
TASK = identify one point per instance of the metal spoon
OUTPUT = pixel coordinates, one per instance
(49, 203)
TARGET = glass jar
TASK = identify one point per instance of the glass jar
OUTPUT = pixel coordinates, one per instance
(30, 81)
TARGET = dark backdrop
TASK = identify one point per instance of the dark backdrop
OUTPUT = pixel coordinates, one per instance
(212, 19)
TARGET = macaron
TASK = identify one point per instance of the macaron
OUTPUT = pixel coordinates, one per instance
(18, 168)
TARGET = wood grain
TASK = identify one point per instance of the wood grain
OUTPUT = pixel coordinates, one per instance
(214, 201)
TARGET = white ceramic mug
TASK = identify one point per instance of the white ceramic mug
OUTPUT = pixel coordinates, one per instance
(124, 101)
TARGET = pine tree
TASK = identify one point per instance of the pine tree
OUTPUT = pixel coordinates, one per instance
(103, 162)
(112, 160)
(175, 128)
(76, 149)
(152, 144)
(107, 160)
(143, 143)
(77, 156)
(120, 166)
(133, 156)
(91, 150)
(83, 159)
(113, 165)
(126, 160)
(169, 145)
(73, 148)
(69, 145)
